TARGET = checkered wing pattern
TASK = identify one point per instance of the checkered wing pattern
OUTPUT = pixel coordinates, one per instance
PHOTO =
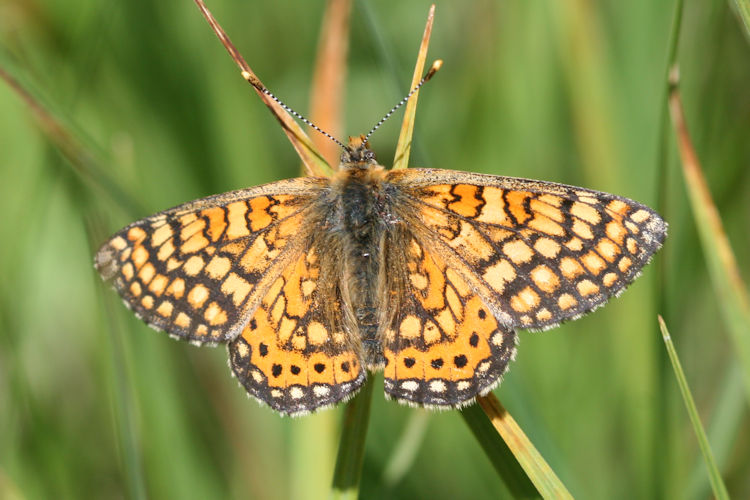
(537, 253)
(441, 343)
(296, 354)
(195, 271)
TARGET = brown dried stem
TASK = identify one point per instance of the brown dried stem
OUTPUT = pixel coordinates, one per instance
(330, 73)
(314, 163)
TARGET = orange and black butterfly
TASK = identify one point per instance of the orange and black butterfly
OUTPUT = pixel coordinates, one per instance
(423, 273)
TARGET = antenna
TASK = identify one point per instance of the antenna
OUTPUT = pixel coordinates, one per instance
(252, 80)
(433, 69)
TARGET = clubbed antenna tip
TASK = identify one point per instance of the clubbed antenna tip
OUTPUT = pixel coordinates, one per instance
(433, 69)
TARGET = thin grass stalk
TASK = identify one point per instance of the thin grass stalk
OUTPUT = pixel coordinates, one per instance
(497, 451)
(83, 156)
(722, 264)
(407, 447)
(403, 147)
(661, 403)
(328, 87)
(536, 468)
(315, 164)
(351, 453)
(743, 12)
(717, 484)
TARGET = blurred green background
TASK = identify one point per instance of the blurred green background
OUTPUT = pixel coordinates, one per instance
(95, 404)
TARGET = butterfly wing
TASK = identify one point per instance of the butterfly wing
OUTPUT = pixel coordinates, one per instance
(536, 252)
(441, 343)
(296, 353)
(196, 270)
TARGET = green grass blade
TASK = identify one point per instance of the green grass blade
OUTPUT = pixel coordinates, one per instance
(84, 157)
(406, 451)
(536, 468)
(722, 264)
(403, 147)
(499, 454)
(352, 445)
(743, 11)
(727, 417)
(719, 489)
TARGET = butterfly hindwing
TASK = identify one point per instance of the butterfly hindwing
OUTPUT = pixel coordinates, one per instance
(194, 270)
(442, 345)
(538, 252)
(294, 354)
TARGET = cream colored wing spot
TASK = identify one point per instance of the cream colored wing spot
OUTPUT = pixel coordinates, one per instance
(518, 252)
(547, 247)
(498, 274)
(218, 267)
(197, 296)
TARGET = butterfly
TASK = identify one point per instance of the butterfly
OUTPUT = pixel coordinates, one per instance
(425, 274)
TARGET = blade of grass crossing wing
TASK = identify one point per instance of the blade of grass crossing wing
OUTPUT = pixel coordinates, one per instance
(403, 147)
(719, 489)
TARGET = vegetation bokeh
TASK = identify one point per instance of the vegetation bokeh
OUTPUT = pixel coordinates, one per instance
(95, 404)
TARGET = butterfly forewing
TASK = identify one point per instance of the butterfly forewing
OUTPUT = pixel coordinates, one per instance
(537, 252)
(195, 270)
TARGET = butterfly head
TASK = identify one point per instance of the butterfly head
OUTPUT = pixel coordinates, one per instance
(357, 154)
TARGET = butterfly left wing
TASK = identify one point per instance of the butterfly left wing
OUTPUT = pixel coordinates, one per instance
(296, 354)
(196, 270)
(536, 252)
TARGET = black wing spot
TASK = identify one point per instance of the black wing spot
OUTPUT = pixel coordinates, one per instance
(345, 367)
(319, 367)
(482, 314)
(474, 340)
(437, 363)
(253, 324)
(262, 349)
(276, 370)
(295, 369)
(409, 362)
(460, 361)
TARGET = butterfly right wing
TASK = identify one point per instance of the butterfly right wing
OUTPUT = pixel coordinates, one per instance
(195, 271)
(442, 345)
(538, 253)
